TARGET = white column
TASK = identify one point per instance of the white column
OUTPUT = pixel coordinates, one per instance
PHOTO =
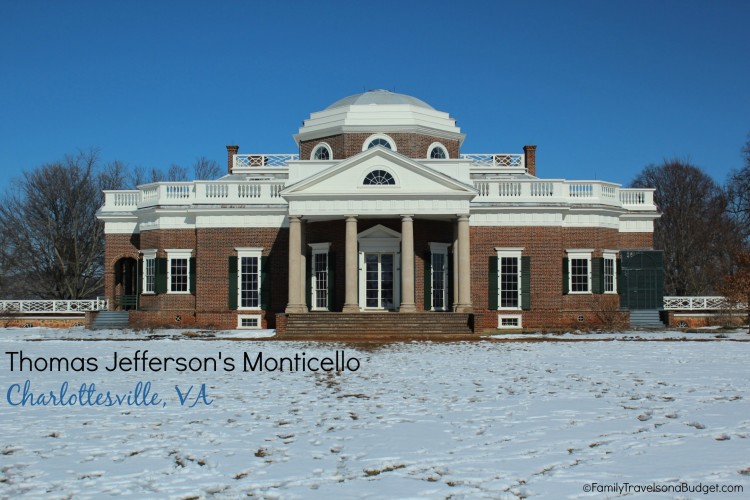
(296, 289)
(407, 264)
(464, 266)
(455, 266)
(351, 303)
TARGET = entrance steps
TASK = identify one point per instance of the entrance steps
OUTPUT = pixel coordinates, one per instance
(110, 320)
(645, 318)
(376, 323)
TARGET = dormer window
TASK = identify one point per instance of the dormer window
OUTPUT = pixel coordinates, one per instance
(437, 151)
(379, 140)
(322, 152)
(379, 178)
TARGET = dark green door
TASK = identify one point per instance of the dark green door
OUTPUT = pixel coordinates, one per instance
(642, 285)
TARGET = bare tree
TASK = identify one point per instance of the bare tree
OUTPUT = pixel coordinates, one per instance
(53, 242)
(736, 286)
(206, 169)
(695, 232)
(738, 193)
(176, 173)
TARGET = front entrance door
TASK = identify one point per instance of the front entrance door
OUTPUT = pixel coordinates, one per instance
(379, 280)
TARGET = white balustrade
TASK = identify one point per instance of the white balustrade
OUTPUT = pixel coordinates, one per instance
(25, 307)
(495, 160)
(121, 201)
(262, 160)
(561, 191)
(708, 303)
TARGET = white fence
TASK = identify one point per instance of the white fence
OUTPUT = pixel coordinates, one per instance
(561, 191)
(711, 303)
(52, 306)
(495, 160)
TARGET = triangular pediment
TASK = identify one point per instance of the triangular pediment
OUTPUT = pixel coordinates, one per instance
(411, 179)
(379, 232)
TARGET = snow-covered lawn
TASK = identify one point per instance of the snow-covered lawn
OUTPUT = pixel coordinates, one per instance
(460, 420)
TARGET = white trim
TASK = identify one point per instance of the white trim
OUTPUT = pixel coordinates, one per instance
(517, 317)
(386, 138)
(148, 255)
(319, 247)
(437, 145)
(322, 145)
(174, 254)
(257, 317)
(609, 255)
(513, 253)
(248, 252)
(580, 254)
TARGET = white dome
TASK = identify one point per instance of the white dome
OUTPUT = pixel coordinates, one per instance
(379, 96)
(379, 111)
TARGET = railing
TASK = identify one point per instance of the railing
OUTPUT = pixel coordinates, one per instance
(196, 193)
(496, 160)
(520, 190)
(711, 303)
(122, 201)
(52, 306)
(262, 160)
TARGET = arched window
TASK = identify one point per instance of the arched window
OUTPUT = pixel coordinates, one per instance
(379, 178)
(322, 152)
(437, 151)
(379, 140)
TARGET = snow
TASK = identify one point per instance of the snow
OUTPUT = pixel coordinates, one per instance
(481, 419)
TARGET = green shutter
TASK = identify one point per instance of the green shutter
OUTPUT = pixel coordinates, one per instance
(232, 280)
(450, 281)
(192, 275)
(597, 275)
(308, 280)
(526, 283)
(427, 281)
(331, 281)
(160, 281)
(565, 276)
(492, 284)
(265, 284)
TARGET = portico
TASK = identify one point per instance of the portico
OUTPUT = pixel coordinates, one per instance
(379, 266)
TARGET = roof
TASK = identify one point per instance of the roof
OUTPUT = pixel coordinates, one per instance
(379, 96)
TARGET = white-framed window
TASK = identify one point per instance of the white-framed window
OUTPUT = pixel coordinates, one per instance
(322, 152)
(379, 177)
(509, 278)
(248, 277)
(320, 274)
(249, 322)
(439, 276)
(379, 140)
(509, 321)
(149, 272)
(579, 271)
(437, 151)
(609, 272)
(178, 270)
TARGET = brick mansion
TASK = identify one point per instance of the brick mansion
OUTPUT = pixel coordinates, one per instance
(380, 221)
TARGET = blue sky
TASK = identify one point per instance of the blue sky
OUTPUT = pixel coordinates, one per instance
(603, 88)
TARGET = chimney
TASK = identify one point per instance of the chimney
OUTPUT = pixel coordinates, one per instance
(231, 151)
(530, 153)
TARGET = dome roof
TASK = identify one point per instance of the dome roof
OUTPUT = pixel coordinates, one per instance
(379, 96)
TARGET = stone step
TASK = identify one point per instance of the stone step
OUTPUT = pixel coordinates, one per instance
(377, 323)
(110, 319)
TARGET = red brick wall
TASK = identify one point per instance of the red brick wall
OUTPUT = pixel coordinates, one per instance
(116, 247)
(546, 246)
(408, 144)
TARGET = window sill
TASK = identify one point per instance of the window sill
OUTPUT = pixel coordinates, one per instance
(249, 308)
(148, 293)
(178, 293)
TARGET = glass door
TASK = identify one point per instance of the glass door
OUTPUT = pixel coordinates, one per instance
(379, 280)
